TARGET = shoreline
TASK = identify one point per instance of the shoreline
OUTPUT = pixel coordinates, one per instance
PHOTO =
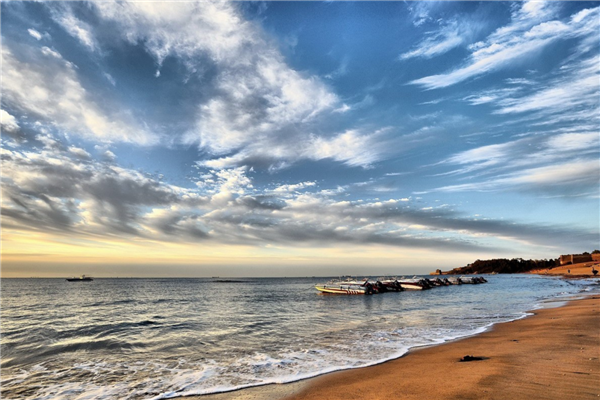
(562, 341)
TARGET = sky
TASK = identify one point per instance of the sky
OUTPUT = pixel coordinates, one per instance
(177, 139)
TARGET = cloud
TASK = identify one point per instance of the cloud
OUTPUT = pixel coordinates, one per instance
(59, 193)
(531, 29)
(452, 34)
(75, 27)
(293, 188)
(260, 112)
(80, 153)
(9, 122)
(565, 163)
(354, 148)
(43, 85)
(59, 190)
(577, 178)
(578, 87)
(420, 12)
(35, 34)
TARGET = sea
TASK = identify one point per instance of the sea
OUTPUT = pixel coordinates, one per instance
(166, 338)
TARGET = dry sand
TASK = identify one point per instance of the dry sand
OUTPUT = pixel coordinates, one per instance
(552, 355)
(572, 270)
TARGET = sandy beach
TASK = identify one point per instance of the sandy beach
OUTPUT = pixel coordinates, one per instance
(553, 354)
(572, 270)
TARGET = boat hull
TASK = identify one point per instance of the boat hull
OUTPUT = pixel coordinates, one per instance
(412, 286)
(334, 289)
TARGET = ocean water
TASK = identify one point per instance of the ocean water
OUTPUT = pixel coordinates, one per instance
(164, 338)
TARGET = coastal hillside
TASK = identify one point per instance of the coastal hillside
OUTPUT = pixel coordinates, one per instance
(519, 265)
(503, 266)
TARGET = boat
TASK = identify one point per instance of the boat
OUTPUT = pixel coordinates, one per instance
(414, 283)
(347, 286)
(472, 279)
(391, 284)
(82, 278)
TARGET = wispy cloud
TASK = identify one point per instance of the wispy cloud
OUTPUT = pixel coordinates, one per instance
(35, 34)
(569, 179)
(578, 87)
(452, 34)
(77, 28)
(559, 163)
(531, 29)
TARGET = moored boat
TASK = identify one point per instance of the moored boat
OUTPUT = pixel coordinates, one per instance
(414, 283)
(341, 288)
(82, 278)
(391, 284)
(472, 279)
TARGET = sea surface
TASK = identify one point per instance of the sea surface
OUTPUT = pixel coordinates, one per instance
(164, 338)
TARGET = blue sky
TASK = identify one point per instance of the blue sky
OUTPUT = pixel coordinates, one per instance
(296, 138)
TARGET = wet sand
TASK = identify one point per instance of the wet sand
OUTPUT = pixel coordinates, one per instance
(554, 354)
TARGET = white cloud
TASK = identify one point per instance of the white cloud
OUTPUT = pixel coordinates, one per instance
(110, 78)
(449, 36)
(262, 109)
(80, 30)
(35, 34)
(529, 31)
(293, 188)
(546, 163)
(579, 87)
(52, 53)
(568, 142)
(350, 147)
(567, 178)
(9, 123)
(49, 89)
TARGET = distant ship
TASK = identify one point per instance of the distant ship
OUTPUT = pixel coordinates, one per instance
(82, 278)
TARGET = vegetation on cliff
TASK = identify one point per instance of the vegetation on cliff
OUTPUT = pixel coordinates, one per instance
(504, 266)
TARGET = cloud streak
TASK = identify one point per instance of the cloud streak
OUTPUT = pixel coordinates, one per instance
(60, 192)
(530, 30)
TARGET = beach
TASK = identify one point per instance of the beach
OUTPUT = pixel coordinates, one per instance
(571, 270)
(553, 354)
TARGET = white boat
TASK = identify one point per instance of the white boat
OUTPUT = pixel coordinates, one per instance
(472, 279)
(414, 283)
(454, 280)
(391, 284)
(345, 287)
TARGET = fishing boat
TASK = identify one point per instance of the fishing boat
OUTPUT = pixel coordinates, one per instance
(82, 278)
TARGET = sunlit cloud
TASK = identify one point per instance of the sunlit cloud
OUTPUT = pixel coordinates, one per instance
(47, 87)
